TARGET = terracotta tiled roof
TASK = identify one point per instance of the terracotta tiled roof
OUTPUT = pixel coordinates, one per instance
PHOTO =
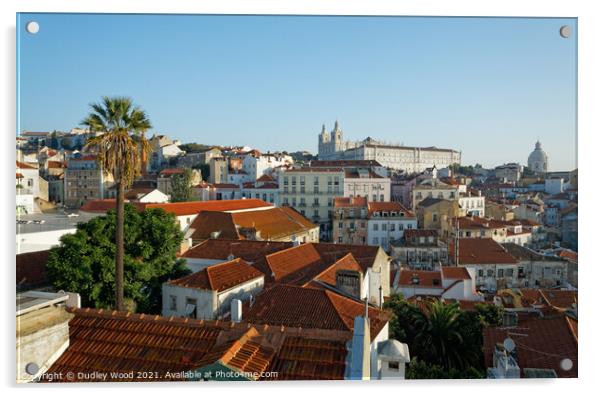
(182, 208)
(121, 342)
(219, 277)
(365, 255)
(328, 276)
(562, 299)
(244, 353)
(540, 342)
(301, 358)
(569, 255)
(221, 249)
(56, 165)
(290, 261)
(350, 202)
(273, 223)
(294, 306)
(31, 269)
(23, 165)
(455, 273)
(171, 171)
(265, 178)
(188, 208)
(388, 207)
(481, 251)
(209, 222)
(429, 279)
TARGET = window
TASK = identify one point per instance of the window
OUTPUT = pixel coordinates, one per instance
(383, 227)
(375, 227)
(500, 273)
(394, 366)
(375, 241)
(173, 303)
(191, 308)
(481, 273)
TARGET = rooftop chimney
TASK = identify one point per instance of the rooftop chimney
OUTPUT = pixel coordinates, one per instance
(236, 310)
(360, 348)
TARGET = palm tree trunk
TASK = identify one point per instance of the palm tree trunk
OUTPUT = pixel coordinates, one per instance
(119, 245)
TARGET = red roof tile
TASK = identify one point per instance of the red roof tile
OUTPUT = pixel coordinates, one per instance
(290, 261)
(350, 202)
(428, 279)
(481, 251)
(321, 309)
(219, 277)
(540, 342)
(221, 249)
(265, 178)
(388, 207)
(182, 208)
(455, 273)
(121, 342)
(22, 165)
(348, 262)
(273, 223)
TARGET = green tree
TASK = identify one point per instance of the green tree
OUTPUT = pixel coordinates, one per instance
(194, 147)
(419, 369)
(204, 169)
(440, 334)
(119, 151)
(181, 186)
(83, 262)
(490, 314)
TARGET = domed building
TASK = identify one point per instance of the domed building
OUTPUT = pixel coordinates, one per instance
(538, 160)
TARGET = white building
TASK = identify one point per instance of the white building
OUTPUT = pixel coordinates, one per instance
(453, 283)
(207, 294)
(331, 146)
(27, 184)
(258, 165)
(387, 222)
(472, 204)
(362, 182)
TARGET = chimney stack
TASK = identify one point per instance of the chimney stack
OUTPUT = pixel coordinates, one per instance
(236, 310)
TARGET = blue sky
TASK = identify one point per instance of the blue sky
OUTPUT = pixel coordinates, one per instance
(487, 86)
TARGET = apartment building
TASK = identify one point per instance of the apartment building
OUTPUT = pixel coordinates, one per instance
(85, 181)
(311, 191)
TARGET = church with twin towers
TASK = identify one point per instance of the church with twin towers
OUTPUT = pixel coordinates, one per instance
(332, 146)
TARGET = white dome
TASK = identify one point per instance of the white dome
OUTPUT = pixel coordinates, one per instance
(538, 159)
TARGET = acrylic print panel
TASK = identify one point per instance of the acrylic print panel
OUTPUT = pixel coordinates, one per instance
(210, 197)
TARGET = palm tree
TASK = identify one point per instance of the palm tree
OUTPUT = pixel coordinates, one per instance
(439, 338)
(119, 148)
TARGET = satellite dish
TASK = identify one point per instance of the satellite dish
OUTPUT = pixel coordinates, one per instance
(509, 344)
(566, 364)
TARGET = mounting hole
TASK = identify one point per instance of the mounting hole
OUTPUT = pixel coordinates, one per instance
(565, 31)
(31, 368)
(32, 27)
(566, 364)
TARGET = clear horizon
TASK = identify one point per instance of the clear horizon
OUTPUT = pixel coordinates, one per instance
(472, 84)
